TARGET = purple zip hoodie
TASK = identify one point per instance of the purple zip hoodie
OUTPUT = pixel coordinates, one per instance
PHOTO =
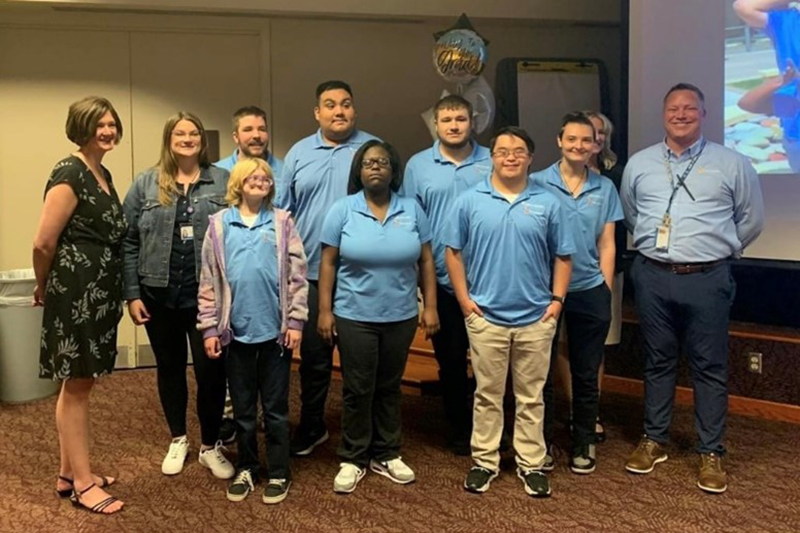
(214, 294)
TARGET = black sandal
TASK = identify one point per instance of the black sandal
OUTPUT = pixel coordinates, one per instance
(599, 436)
(66, 493)
(96, 508)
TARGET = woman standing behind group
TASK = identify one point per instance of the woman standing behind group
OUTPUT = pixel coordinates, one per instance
(592, 206)
(78, 266)
(167, 209)
(253, 293)
(373, 243)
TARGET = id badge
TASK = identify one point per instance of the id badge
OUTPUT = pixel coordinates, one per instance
(662, 237)
(187, 232)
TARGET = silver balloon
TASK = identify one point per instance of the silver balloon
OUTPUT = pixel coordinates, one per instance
(459, 55)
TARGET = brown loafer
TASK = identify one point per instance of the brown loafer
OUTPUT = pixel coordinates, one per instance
(712, 477)
(646, 456)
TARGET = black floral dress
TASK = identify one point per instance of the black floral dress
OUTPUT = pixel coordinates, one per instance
(83, 297)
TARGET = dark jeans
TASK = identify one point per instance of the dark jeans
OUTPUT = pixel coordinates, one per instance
(168, 330)
(264, 369)
(450, 346)
(373, 359)
(316, 364)
(587, 316)
(689, 310)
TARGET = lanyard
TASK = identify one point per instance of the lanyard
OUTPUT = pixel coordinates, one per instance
(681, 179)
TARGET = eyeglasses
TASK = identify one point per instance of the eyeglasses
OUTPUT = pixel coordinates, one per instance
(382, 162)
(260, 180)
(502, 153)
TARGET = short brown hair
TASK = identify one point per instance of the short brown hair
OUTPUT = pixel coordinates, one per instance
(83, 117)
(452, 101)
(247, 111)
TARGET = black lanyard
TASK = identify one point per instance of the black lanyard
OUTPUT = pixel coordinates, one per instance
(682, 178)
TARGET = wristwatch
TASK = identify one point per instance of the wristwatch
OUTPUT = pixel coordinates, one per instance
(559, 299)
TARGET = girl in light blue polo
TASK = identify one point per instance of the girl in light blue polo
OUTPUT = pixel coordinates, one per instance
(374, 243)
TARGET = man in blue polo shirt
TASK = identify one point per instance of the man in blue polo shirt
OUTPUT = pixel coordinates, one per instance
(692, 205)
(314, 176)
(503, 238)
(435, 177)
(251, 136)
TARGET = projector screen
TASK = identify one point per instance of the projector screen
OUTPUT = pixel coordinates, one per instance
(709, 44)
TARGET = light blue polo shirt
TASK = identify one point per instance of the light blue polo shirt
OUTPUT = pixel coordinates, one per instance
(596, 205)
(274, 163)
(251, 260)
(376, 279)
(314, 176)
(509, 250)
(436, 182)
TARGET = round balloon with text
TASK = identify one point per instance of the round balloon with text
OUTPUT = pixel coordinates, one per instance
(459, 55)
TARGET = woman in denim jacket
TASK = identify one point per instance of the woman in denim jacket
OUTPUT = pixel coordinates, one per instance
(253, 299)
(167, 209)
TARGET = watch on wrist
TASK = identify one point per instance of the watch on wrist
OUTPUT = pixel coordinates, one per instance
(559, 299)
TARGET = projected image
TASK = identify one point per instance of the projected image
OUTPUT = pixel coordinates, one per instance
(762, 83)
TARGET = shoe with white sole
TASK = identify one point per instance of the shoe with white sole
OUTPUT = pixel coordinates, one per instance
(176, 456)
(215, 460)
(348, 477)
(395, 469)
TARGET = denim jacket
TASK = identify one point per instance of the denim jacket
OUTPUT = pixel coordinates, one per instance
(148, 243)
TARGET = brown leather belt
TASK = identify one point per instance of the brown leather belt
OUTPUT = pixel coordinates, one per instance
(685, 268)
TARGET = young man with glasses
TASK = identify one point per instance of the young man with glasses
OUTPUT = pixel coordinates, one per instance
(435, 177)
(503, 237)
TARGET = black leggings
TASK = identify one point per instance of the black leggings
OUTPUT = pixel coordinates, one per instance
(168, 330)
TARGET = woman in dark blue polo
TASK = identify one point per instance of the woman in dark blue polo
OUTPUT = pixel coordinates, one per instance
(592, 206)
(373, 243)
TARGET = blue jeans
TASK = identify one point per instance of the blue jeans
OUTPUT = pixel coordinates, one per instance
(254, 369)
(689, 310)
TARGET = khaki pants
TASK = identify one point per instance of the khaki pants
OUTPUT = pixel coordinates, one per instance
(526, 350)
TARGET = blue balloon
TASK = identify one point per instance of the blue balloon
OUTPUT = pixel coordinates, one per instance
(459, 55)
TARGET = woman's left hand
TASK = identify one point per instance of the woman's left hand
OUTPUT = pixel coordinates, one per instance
(429, 322)
(292, 338)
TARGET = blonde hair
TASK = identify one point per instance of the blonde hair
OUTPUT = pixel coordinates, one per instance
(606, 159)
(83, 116)
(245, 168)
(167, 163)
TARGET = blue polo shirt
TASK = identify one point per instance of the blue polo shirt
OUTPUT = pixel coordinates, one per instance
(251, 261)
(436, 182)
(509, 249)
(596, 205)
(314, 176)
(274, 163)
(726, 214)
(376, 279)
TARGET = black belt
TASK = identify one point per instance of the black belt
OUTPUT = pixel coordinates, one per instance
(685, 268)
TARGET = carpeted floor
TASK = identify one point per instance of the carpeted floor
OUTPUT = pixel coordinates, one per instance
(130, 438)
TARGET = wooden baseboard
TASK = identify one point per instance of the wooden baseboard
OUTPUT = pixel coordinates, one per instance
(738, 405)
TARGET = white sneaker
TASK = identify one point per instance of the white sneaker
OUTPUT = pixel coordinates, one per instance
(214, 460)
(176, 456)
(395, 469)
(348, 477)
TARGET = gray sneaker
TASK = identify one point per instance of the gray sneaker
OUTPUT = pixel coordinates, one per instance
(395, 469)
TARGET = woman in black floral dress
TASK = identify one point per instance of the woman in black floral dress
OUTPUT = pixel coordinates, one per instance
(78, 264)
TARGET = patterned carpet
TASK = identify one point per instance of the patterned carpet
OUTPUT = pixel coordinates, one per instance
(130, 437)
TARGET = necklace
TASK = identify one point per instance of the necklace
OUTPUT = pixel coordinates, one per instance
(574, 190)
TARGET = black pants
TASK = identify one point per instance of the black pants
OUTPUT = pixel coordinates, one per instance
(587, 315)
(316, 364)
(373, 359)
(692, 311)
(450, 346)
(260, 368)
(168, 330)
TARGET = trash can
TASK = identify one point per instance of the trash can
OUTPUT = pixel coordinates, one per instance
(20, 328)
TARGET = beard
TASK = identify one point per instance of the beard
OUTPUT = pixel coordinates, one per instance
(454, 146)
(248, 151)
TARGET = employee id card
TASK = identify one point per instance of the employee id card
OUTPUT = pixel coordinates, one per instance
(662, 234)
(187, 232)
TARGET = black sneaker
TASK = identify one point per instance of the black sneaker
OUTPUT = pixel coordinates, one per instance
(535, 482)
(479, 479)
(304, 442)
(583, 461)
(276, 491)
(241, 486)
(549, 460)
(227, 431)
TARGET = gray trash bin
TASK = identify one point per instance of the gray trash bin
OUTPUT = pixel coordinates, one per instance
(20, 328)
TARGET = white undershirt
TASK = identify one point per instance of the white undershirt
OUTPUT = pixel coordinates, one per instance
(249, 220)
